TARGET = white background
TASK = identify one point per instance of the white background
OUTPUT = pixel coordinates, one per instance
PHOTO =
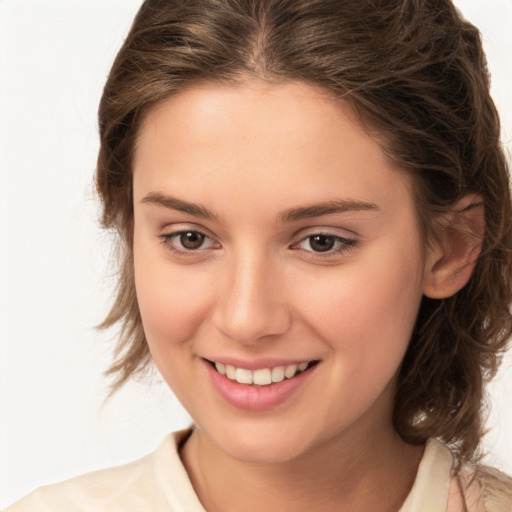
(54, 279)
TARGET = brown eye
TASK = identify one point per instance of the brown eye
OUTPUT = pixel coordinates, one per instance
(188, 243)
(191, 240)
(326, 244)
(322, 243)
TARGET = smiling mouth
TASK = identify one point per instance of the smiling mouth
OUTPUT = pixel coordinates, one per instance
(262, 376)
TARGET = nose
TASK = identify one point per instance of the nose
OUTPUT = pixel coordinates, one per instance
(251, 302)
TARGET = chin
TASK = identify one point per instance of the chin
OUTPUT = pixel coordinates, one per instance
(263, 453)
(261, 446)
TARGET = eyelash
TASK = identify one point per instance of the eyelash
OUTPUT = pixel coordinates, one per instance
(341, 244)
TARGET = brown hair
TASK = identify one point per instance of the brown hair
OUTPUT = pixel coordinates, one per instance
(416, 73)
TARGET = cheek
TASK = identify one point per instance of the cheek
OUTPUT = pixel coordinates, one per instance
(366, 311)
(171, 300)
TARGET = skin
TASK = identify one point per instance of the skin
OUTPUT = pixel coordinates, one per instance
(256, 288)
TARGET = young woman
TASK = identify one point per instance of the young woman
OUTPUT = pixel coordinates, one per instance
(315, 219)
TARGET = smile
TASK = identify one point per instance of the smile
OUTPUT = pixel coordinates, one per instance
(261, 387)
(261, 376)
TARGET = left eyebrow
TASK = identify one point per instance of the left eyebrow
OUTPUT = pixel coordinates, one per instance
(327, 208)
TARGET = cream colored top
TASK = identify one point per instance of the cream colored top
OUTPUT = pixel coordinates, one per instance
(159, 482)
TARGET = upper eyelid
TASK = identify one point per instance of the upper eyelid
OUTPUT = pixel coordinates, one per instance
(178, 232)
(183, 228)
(338, 238)
(313, 229)
(327, 231)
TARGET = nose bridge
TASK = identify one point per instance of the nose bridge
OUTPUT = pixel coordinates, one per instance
(251, 303)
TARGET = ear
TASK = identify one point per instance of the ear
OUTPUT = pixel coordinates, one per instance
(451, 258)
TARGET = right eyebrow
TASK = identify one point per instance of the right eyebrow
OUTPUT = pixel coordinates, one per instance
(194, 209)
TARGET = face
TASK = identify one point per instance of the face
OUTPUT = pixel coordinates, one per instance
(273, 244)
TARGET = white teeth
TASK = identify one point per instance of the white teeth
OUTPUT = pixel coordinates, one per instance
(243, 376)
(261, 376)
(278, 374)
(290, 371)
(230, 372)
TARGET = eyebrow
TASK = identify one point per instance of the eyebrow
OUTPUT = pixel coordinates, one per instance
(327, 208)
(196, 210)
(291, 215)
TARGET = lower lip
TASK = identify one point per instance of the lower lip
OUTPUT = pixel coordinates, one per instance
(253, 398)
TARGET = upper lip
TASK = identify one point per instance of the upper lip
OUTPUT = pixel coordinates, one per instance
(256, 364)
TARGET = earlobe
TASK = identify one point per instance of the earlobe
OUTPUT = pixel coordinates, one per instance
(451, 259)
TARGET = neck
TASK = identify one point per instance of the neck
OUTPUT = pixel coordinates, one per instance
(359, 471)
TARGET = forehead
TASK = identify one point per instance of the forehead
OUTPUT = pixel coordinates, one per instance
(278, 142)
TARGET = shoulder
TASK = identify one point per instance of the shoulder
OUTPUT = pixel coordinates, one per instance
(485, 489)
(99, 490)
(495, 488)
(443, 485)
(130, 487)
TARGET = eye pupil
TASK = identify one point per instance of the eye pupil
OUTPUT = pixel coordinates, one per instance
(322, 243)
(191, 239)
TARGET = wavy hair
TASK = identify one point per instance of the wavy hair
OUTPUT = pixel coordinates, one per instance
(415, 72)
